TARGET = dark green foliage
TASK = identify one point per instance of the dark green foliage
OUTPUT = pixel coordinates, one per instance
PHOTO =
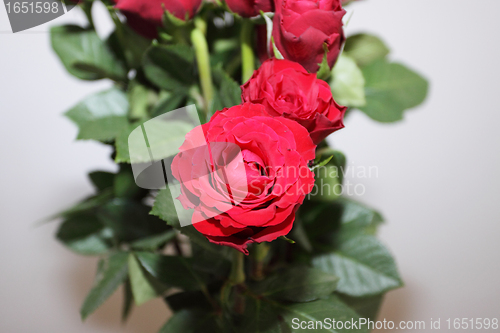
(332, 265)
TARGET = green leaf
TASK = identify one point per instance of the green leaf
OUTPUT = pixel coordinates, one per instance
(214, 260)
(84, 54)
(113, 275)
(170, 67)
(172, 271)
(320, 310)
(288, 240)
(168, 102)
(348, 83)
(104, 129)
(190, 321)
(171, 20)
(121, 143)
(153, 242)
(141, 100)
(323, 163)
(164, 137)
(143, 287)
(131, 47)
(299, 233)
(277, 53)
(328, 224)
(188, 300)
(124, 185)
(391, 89)
(214, 106)
(327, 186)
(334, 158)
(265, 316)
(212, 250)
(364, 266)
(129, 220)
(324, 69)
(225, 52)
(364, 49)
(357, 219)
(339, 160)
(102, 179)
(298, 284)
(366, 307)
(329, 175)
(269, 34)
(88, 205)
(207, 257)
(83, 234)
(347, 212)
(128, 300)
(101, 116)
(109, 103)
(229, 90)
(164, 208)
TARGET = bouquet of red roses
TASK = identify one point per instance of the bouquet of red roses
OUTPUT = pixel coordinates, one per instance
(228, 202)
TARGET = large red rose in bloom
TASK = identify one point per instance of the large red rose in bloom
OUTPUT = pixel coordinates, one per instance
(271, 180)
(145, 15)
(301, 27)
(249, 8)
(286, 89)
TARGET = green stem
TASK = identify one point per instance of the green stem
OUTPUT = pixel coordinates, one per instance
(118, 27)
(237, 280)
(201, 24)
(87, 9)
(247, 55)
(259, 253)
(120, 35)
(203, 60)
(237, 275)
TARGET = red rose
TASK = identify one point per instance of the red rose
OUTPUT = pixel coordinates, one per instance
(249, 8)
(286, 89)
(268, 182)
(145, 15)
(141, 26)
(301, 27)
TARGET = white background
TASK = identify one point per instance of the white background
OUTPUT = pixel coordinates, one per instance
(438, 184)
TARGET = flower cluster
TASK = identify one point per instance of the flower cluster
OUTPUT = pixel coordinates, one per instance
(286, 111)
(303, 30)
(264, 81)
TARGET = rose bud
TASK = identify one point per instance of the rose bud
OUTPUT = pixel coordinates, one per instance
(250, 8)
(286, 89)
(302, 27)
(145, 15)
(247, 182)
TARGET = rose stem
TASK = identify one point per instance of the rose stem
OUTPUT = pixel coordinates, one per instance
(87, 9)
(259, 253)
(247, 55)
(237, 279)
(237, 275)
(203, 60)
